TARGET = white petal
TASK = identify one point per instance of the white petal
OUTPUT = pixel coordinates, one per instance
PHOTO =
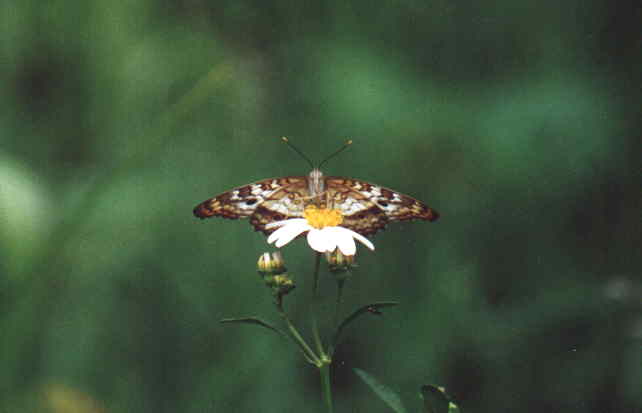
(288, 232)
(365, 241)
(276, 224)
(320, 241)
(346, 245)
(342, 237)
(285, 223)
(273, 236)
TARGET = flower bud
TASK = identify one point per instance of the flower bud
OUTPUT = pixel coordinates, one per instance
(337, 262)
(269, 264)
(282, 284)
(340, 266)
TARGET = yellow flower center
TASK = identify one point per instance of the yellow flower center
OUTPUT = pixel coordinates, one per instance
(322, 217)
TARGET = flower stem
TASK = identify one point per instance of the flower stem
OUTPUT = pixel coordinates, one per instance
(335, 318)
(317, 264)
(324, 358)
(298, 339)
(326, 386)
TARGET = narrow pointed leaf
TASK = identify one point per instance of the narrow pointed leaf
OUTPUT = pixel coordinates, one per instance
(265, 324)
(255, 321)
(436, 400)
(385, 393)
(366, 309)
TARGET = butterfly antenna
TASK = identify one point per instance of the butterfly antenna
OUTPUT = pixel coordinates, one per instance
(343, 148)
(284, 139)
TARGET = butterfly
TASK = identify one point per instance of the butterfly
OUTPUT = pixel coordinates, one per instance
(366, 208)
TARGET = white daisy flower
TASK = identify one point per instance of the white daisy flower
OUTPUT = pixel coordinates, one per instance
(324, 231)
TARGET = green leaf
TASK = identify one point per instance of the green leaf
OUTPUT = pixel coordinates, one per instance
(436, 400)
(453, 408)
(258, 322)
(370, 309)
(255, 321)
(390, 397)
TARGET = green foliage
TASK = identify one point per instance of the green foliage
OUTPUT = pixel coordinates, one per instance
(385, 393)
(366, 309)
(436, 401)
(518, 121)
(253, 321)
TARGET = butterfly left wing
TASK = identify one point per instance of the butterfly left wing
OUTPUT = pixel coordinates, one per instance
(367, 207)
(263, 202)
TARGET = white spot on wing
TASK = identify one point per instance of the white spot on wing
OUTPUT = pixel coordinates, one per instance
(257, 190)
(280, 208)
(351, 206)
(285, 206)
(245, 207)
(388, 208)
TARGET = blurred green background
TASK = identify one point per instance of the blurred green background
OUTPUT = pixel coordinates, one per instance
(518, 121)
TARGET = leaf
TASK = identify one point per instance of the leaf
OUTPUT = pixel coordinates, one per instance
(389, 396)
(453, 408)
(370, 308)
(265, 324)
(436, 400)
(255, 321)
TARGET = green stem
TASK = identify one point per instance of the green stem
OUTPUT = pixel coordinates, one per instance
(325, 383)
(315, 307)
(317, 264)
(298, 339)
(337, 305)
(335, 318)
(326, 361)
(317, 336)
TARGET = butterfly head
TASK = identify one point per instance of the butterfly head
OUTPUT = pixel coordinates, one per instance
(316, 184)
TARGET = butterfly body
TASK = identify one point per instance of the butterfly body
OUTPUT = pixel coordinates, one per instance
(365, 207)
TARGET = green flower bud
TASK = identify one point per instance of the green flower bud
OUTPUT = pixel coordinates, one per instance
(282, 284)
(270, 264)
(338, 263)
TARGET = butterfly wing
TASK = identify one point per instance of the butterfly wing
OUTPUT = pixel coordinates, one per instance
(367, 207)
(263, 202)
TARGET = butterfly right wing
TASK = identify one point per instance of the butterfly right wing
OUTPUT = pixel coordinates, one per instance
(367, 207)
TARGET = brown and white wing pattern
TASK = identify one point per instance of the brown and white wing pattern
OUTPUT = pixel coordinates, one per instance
(367, 207)
(263, 202)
